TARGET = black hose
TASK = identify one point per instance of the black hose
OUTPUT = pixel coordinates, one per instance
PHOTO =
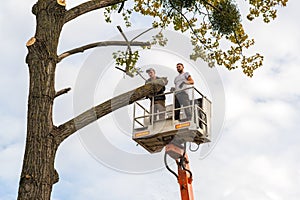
(168, 168)
(193, 150)
(183, 161)
(185, 169)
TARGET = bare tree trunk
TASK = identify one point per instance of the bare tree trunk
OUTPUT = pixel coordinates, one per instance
(43, 138)
(38, 173)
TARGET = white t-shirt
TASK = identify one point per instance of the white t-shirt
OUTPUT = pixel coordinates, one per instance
(181, 78)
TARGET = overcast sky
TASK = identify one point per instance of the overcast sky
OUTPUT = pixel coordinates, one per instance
(256, 157)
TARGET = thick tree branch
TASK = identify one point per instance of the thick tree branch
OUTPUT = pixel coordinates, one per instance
(91, 115)
(99, 44)
(87, 7)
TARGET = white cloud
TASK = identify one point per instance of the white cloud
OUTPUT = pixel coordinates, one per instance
(257, 156)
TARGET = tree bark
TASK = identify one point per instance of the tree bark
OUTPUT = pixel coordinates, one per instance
(99, 44)
(91, 115)
(89, 6)
(38, 174)
(43, 137)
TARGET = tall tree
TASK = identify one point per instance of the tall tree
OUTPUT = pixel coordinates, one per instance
(209, 21)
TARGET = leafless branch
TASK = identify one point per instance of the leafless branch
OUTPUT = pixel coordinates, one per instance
(98, 44)
(61, 92)
(128, 47)
(120, 69)
(121, 7)
(89, 6)
(142, 33)
(91, 115)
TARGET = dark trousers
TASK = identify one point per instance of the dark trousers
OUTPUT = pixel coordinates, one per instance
(182, 99)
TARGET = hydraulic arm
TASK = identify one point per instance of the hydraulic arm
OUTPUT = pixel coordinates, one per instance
(184, 176)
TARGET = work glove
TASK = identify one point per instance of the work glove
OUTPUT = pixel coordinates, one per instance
(181, 85)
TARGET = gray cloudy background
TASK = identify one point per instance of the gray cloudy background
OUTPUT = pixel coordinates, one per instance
(257, 156)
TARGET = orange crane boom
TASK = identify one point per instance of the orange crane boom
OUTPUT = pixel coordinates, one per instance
(184, 175)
